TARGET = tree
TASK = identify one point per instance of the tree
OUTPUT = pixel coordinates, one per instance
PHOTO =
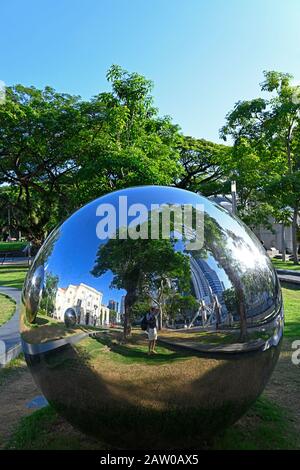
(125, 142)
(205, 166)
(181, 305)
(57, 152)
(38, 149)
(47, 302)
(216, 242)
(139, 266)
(269, 130)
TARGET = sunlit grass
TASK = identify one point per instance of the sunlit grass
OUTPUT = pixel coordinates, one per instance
(291, 301)
(7, 308)
(12, 276)
(279, 264)
(12, 368)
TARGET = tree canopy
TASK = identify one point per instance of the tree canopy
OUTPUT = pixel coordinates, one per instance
(266, 158)
(58, 152)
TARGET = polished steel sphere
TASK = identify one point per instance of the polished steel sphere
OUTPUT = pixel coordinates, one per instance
(151, 318)
(70, 317)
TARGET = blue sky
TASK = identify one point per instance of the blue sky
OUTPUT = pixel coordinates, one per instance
(203, 56)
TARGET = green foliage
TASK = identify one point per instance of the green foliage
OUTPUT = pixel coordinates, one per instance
(205, 166)
(266, 157)
(145, 269)
(58, 151)
(47, 302)
(38, 137)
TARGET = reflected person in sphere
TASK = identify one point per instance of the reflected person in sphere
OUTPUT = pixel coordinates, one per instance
(202, 310)
(217, 309)
(152, 330)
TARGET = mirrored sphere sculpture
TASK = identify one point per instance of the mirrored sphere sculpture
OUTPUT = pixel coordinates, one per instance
(70, 317)
(197, 272)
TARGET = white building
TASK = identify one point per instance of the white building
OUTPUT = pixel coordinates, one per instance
(85, 300)
(122, 307)
(274, 238)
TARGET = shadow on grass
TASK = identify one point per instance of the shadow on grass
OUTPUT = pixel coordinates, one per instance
(140, 352)
(292, 330)
(12, 276)
(14, 368)
(266, 426)
(183, 405)
(290, 286)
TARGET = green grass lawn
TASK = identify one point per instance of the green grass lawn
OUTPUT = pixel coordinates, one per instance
(7, 308)
(285, 265)
(291, 301)
(131, 353)
(265, 426)
(12, 246)
(12, 369)
(12, 276)
(44, 429)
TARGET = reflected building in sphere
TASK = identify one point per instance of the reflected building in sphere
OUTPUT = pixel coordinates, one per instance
(114, 306)
(207, 283)
(122, 306)
(98, 375)
(85, 300)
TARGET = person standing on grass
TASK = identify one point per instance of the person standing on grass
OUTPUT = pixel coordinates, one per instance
(151, 330)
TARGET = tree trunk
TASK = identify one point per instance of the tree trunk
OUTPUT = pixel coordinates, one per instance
(283, 247)
(160, 317)
(294, 235)
(129, 301)
(242, 314)
(236, 283)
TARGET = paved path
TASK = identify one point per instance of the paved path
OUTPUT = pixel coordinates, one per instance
(290, 276)
(20, 261)
(10, 343)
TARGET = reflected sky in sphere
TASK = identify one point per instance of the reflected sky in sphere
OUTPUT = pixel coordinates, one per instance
(76, 246)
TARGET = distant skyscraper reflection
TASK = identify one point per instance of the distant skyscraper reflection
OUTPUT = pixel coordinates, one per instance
(206, 283)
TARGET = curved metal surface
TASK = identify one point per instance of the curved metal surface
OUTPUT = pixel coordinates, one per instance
(217, 297)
